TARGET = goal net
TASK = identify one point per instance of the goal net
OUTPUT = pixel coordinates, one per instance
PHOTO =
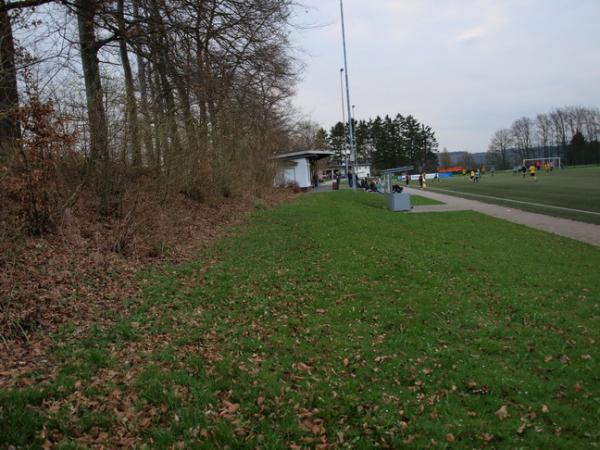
(554, 162)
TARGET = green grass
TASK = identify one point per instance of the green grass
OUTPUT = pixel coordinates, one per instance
(575, 188)
(417, 200)
(331, 320)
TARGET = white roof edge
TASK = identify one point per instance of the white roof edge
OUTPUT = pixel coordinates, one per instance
(304, 153)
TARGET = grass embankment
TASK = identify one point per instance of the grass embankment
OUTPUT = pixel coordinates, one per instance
(574, 188)
(331, 321)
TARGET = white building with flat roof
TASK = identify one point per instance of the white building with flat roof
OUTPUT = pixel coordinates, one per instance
(299, 167)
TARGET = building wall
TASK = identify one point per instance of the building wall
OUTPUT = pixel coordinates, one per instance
(303, 172)
(289, 175)
(363, 171)
(300, 173)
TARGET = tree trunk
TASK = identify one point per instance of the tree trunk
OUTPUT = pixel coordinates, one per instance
(162, 85)
(98, 126)
(130, 101)
(10, 130)
(86, 10)
(151, 158)
(143, 82)
(184, 101)
(158, 112)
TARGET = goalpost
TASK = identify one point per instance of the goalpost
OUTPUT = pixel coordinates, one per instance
(555, 160)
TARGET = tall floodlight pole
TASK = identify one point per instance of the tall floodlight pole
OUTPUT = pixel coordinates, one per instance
(343, 120)
(350, 131)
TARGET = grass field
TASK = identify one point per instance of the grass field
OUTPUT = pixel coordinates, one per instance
(573, 188)
(330, 322)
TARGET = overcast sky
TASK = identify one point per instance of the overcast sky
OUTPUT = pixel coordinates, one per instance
(465, 67)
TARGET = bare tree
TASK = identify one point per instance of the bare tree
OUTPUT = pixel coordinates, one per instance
(521, 131)
(559, 128)
(89, 46)
(499, 148)
(132, 137)
(543, 127)
(588, 122)
(209, 96)
(10, 129)
(305, 135)
(551, 133)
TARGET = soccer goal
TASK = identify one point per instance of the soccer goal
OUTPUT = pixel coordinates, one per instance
(554, 161)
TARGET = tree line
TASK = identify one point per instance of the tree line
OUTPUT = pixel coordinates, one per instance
(185, 93)
(572, 133)
(382, 142)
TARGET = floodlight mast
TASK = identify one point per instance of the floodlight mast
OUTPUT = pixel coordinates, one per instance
(348, 104)
(343, 120)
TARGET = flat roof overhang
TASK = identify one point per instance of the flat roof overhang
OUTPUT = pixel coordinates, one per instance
(308, 154)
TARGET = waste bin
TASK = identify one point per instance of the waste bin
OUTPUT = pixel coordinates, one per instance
(395, 197)
(398, 201)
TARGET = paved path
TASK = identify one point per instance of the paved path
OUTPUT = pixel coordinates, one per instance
(581, 231)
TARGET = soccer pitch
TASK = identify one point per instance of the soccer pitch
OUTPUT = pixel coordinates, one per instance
(573, 193)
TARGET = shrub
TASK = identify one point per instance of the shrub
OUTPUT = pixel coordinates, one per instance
(35, 177)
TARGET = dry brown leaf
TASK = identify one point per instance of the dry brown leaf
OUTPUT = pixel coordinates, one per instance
(231, 407)
(409, 439)
(545, 409)
(502, 413)
(303, 367)
(450, 437)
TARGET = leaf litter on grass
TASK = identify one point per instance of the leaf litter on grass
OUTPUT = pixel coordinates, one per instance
(233, 355)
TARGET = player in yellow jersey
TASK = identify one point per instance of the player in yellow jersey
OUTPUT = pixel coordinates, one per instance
(532, 171)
